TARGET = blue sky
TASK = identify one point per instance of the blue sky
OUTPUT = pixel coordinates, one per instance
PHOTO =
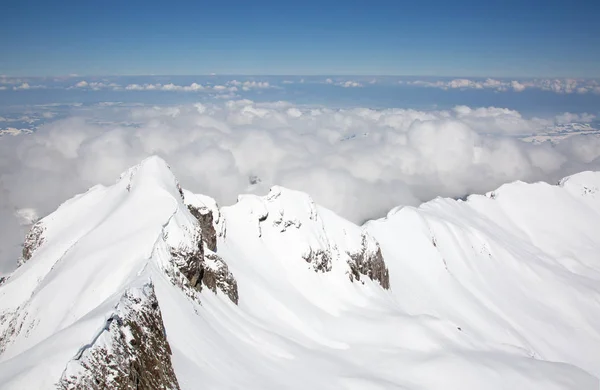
(436, 38)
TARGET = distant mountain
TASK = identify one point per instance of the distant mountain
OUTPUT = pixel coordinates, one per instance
(144, 285)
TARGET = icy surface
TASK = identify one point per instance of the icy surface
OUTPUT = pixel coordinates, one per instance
(501, 291)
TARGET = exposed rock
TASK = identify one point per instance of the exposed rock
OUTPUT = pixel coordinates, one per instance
(187, 268)
(217, 275)
(205, 219)
(282, 223)
(369, 262)
(193, 269)
(33, 240)
(180, 191)
(319, 259)
(11, 325)
(131, 352)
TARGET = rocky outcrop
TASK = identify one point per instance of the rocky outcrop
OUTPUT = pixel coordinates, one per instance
(33, 240)
(197, 267)
(192, 270)
(206, 220)
(216, 275)
(131, 352)
(369, 262)
(319, 259)
(11, 325)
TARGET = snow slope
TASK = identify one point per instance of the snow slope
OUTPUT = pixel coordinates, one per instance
(501, 291)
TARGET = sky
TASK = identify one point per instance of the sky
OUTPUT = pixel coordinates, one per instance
(432, 38)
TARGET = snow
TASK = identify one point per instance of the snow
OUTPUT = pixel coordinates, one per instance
(499, 291)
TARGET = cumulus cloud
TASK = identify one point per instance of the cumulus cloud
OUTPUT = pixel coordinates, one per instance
(359, 162)
(568, 117)
(561, 86)
(351, 84)
(248, 85)
(228, 88)
(344, 83)
(25, 86)
(517, 86)
(94, 85)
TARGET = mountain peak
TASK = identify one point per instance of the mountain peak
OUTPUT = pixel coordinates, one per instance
(146, 283)
(152, 172)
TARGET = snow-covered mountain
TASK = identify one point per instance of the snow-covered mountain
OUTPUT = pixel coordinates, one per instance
(144, 285)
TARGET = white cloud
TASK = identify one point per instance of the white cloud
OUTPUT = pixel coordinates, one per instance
(517, 86)
(195, 87)
(344, 83)
(359, 162)
(568, 117)
(94, 85)
(351, 84)
(561, 86)
(248, 84)
(26, 86)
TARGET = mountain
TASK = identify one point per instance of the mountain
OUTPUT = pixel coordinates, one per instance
(144, 285)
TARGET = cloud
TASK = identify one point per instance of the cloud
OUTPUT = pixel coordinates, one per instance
(193, 87)
(359, 162)
(12, 80)
(94, 85)
(560, 86)
(227, 88)
(351, 84)
(345, 84)
(26, 86)
(568, 117)
(517, 86)
(248, 85)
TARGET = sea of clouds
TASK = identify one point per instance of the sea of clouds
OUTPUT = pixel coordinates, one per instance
(358, 162)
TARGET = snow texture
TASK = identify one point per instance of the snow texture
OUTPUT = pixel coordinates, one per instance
(500, 291)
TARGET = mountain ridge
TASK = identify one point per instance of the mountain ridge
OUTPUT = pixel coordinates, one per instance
(283, 280)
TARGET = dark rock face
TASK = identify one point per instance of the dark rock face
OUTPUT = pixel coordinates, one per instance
(369, 262)
(195, 268)
(205, 219)
(217, 275)
(131, 352)
(33, 240)
(319, 259)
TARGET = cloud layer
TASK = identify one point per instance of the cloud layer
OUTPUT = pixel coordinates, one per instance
(561, 86)
(220, 84)
(359, 162)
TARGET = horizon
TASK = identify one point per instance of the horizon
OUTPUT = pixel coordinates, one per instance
(8, 76)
